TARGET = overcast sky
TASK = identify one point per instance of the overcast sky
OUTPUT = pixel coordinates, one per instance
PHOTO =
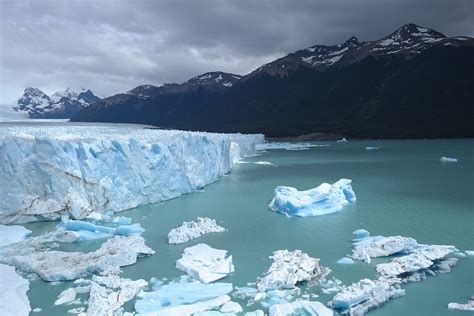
(113, 46)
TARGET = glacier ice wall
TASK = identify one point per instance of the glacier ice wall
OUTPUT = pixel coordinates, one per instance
(46, 172)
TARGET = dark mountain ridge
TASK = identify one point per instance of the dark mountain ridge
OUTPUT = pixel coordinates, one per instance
(413, 83)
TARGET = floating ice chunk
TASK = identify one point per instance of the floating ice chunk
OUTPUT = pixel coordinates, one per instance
(179, 293)
(447, 159)
(267, 163)
(190, 309)
(231, 307)
(74, 230)
(299, 308)
(60, 266)
(421, 258)
(469, 252)
(290, 268)
(107, 168)
(362, 296)
(342, 140)
(10, 234)
(360, 233)
(204, 263)
(469, 306)
(345, 260)
(13, 288)
(104, 301)
(324, 199)
(192, 230)
(66, 296)
(371, 148)
(36, 310)
(380, 246)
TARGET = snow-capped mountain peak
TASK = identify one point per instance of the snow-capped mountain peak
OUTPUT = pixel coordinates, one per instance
(215, 78)
(61, 104)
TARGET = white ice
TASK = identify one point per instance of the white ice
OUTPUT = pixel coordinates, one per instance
(287, 146)
(10, 234)
(380, 246)
(301, 307)
(76, 170)
(290, 268)
(192, 230)
(322, 200)
(469, 306)
(13, 288)
(447, 159)
(345, 260)
(204, 263)
(267, 163)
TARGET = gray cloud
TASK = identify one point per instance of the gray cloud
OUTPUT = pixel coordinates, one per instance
(112, 46)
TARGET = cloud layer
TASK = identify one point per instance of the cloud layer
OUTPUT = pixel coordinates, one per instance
(113, 46)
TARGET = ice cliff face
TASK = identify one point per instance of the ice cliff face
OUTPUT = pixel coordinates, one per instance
(50, 171)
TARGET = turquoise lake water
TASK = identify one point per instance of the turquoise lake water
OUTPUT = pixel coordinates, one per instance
(402, 189)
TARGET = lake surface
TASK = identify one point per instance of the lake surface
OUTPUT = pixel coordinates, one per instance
(402, 189)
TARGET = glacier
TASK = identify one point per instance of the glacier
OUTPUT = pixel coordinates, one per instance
(13, 288)
(192, 230)
(51, 171)
(204, 263)
(324, 199)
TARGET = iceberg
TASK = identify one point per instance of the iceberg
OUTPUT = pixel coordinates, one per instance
(192, 230)
(51, 171)
(204, 263)
(258, 312)
(345, 260)
(265, 163)
(360, 233)
(342, 140)
(371, 148)
(447, 159)
(231, 307)
(322, 200)
(10, 234)
(364, 295)
(302, 307)
(290, 268)
(61, 266)
(469, 306)
(179, 293)
(13, 288)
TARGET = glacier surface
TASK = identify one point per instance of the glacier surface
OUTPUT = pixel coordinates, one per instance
(10, 234)
(47, 172)
(192, 230)
(324, 199)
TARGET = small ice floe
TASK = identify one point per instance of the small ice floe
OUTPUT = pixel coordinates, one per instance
(290, 268)
(61, 266)
(364, 295)
(447, 159)
(380, 246)
(185, 297)
(420, 259)
(324, 199)
(205, 264)
(300, 307)
(331, 286)
(36, 310)
(258, 312)
(371, 148)
(469, 306)
(192, 230)
(231, 307)
(469, 252)
(342, 140)
(287, 146)
(265, 163)
(360, 234)
(345, 260)
(13, 288)
(10, 234)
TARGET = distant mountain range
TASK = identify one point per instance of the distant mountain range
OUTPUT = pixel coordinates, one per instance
(38, 104)
(412, 83)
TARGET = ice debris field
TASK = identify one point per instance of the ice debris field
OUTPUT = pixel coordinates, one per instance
(92, 173)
